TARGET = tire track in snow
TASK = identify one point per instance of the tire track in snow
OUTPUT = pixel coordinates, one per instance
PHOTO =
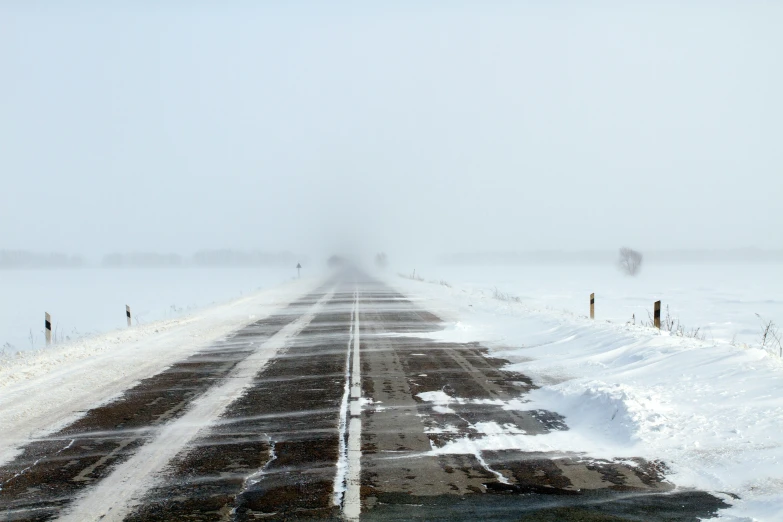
(116, 495)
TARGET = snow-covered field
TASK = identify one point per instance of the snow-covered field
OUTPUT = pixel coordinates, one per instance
(721, 299)
(712, 411)
(92, 300)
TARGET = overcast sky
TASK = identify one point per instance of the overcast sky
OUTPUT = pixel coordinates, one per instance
(459, 126)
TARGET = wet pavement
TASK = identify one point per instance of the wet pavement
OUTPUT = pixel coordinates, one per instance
(333, 427)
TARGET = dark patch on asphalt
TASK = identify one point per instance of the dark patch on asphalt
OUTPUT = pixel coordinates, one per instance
(590, 506)
(466, 373)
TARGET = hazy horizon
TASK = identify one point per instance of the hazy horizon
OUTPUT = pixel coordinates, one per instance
(21, 259)
(414, 130)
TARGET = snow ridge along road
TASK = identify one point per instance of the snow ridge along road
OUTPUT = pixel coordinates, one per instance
(345, 411)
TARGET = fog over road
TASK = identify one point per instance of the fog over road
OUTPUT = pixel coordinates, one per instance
(335, 408)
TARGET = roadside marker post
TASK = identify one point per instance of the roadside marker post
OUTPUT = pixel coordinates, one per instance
(657, 314)
(298, 270)
(48, 328)
(128, 314)
(592, 305)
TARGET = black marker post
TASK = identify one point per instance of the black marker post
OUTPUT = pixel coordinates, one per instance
(48, 328)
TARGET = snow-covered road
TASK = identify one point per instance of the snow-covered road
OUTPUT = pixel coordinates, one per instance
(339, 402)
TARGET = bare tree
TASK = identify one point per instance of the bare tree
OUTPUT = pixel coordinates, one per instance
(630, 261)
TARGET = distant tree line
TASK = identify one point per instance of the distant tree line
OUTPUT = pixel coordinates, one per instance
(603, 257)
(533, 257)
(25, 259)
(141, 260)
(244, 258)
(10, 259)
(224, 257)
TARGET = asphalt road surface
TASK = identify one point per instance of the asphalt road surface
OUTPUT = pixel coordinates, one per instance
(314, 413)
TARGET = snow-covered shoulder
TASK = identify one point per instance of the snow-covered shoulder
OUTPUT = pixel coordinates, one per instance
(43, 390)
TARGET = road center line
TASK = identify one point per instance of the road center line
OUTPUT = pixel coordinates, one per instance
(356, 372)
(352, 504)
(342, 462)
(114, 496)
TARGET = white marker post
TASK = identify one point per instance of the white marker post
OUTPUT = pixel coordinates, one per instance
(48, 328)
(128, 314)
